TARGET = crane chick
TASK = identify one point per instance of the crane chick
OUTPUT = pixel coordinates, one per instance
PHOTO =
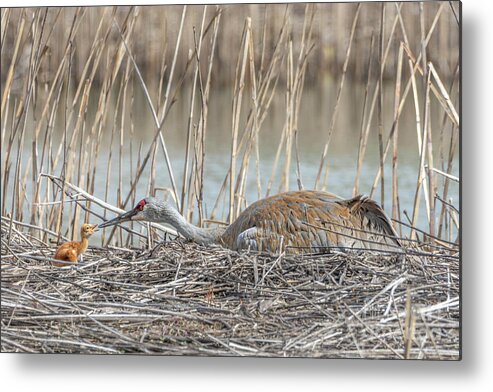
(70, 251)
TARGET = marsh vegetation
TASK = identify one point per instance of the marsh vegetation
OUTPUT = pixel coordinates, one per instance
(220, 106)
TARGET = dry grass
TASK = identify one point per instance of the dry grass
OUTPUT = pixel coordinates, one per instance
(184, 299)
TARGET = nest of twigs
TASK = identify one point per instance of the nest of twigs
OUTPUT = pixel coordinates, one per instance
(185, 299)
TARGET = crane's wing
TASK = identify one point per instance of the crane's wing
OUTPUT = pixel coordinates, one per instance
(67, 252)
(248, 239)
(370, 224)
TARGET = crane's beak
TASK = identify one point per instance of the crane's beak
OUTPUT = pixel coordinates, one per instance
(125, 217)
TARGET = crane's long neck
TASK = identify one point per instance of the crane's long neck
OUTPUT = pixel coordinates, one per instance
(83, 244)
(189, 231)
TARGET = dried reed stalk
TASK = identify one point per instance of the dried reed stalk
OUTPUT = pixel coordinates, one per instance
(336, 106)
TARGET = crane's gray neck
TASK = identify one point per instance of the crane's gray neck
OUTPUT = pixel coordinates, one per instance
(170, 215)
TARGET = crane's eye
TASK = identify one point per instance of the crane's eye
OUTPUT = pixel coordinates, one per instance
(141, 205)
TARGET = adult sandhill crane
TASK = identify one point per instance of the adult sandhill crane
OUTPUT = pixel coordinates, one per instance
(299, 222)
(70, 251)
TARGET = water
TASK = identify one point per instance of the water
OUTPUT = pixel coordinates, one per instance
(314, 119)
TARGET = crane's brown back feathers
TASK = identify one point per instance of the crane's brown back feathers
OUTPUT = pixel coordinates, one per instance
(311, 221)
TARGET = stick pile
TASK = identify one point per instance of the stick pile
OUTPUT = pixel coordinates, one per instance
(185, 299)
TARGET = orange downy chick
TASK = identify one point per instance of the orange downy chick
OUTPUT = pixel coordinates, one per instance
(70, 251)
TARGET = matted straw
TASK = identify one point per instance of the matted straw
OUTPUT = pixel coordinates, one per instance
(184, 299)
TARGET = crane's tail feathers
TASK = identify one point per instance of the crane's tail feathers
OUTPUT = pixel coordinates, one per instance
(373, 218)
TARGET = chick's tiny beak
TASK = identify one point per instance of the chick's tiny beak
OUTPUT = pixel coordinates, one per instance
(125, 217)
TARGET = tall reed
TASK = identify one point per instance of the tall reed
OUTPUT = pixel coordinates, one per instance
(72, 123)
